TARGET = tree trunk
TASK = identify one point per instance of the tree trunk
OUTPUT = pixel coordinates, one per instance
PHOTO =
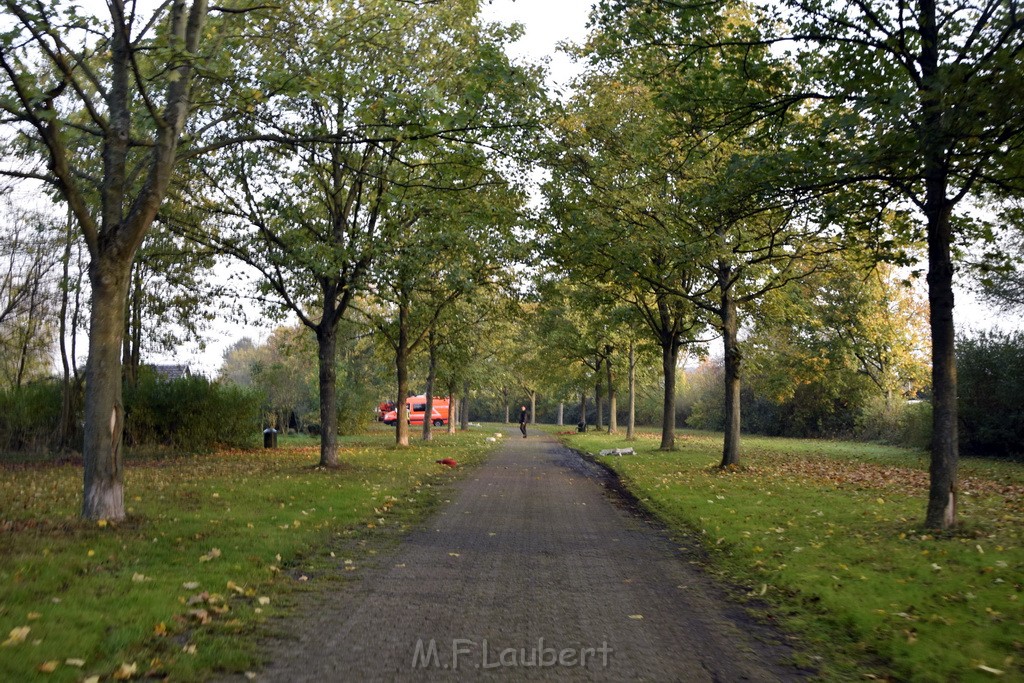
(132, 356)
(733, 360)
(583, 409)
(402, 375)
(428, 420)
(613, 420)
(453, 408)
(67, 402)
(464, 416)
(631, 425)
(669, 358)
(561, 413)
(327, 352)
(533, 407)
(598, 395)
(943, 489)
(508, 409)
(103, 489)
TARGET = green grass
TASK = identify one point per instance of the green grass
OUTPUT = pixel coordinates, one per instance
(829, 536)
(213, 546)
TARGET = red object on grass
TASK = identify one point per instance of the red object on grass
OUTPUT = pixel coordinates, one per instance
(447, 461)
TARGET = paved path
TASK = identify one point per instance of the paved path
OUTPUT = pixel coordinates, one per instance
(530, 573)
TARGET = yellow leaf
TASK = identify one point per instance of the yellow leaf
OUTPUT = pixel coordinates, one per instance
(48, 667)
(78, 663)
(138, 578)
(160, 629)
(636, 617)
(17, 636)
(212, 555)
(32, 616)
(264, 600)
(101, 523)
(126, 671)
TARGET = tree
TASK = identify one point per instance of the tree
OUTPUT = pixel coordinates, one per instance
(917, 99)
(73, 86)
(28, 298)
(831, 345)
(450, 244)
(169, 299)
(341, 128)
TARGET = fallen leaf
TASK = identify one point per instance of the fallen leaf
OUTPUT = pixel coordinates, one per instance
(212, 555)
(78, 663)
(989, 669)
(32, 616)
(264, 600)
(636, 617)
(126, 671)
(138, 578)
(17, 636)
(190, 585)
(48, 667)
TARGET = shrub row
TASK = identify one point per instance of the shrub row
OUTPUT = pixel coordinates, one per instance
(191, 414)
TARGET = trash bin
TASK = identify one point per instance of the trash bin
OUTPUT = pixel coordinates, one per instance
(270, 438)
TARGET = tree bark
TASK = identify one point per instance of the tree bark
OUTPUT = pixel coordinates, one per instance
(733, 360)
(631, 425)
(598, 396)
(561, 413)
(613, 423)
(428, 420)
(402, 376)
(68, 394)
(327, 352)
(583, 409)
(669, 358)
(943, 488)
(131, 356)
(533, 407)
(103, 488)
(453, 408)
(464, 413)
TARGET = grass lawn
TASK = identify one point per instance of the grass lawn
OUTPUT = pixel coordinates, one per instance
(212, 547)
(829, 535)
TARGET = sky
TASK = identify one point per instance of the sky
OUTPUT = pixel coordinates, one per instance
(547, 23)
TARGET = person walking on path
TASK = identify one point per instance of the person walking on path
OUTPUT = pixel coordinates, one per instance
(522, 421)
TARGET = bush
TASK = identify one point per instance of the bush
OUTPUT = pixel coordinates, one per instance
(28, 416)
(896, 422)
(990, 368)
(704, 398)
(191, 414)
